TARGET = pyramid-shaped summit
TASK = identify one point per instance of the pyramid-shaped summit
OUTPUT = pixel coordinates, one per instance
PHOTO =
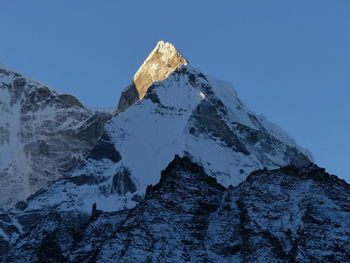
(160, 63)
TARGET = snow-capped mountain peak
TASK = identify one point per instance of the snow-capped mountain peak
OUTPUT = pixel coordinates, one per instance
(159, 64)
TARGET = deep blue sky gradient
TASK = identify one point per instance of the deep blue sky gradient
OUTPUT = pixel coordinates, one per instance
(289, 60)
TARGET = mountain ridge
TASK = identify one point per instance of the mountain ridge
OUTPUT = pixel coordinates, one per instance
(36, 125)
(245, 223)
(208, 114)
(188, 135)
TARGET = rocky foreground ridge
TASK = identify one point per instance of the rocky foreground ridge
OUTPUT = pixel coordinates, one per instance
(286, 215)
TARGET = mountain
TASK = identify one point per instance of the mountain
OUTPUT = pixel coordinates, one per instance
(291, 214)
(43, 135)
(188, 113)
(237, 181)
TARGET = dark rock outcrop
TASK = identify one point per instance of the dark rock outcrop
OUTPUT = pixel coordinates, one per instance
(104, 148)
(122, 182)
(285, 215)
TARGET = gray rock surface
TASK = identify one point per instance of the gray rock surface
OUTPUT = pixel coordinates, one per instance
(43, 135)
(286, 215)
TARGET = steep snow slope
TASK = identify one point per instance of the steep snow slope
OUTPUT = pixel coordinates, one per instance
(43, 134)
(286, 215)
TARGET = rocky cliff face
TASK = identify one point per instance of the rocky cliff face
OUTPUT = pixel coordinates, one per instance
(43, 135)
(160, 63)
(285, 215)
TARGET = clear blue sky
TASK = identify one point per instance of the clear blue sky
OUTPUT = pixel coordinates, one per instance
(289, 60)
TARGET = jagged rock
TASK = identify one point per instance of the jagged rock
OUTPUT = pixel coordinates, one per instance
(206, 120)
(284, 215)
(104, 149)
(160, 63)
(43, 135)
(122, 183)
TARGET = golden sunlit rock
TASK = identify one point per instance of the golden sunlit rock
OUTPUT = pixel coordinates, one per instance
(160, 63)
